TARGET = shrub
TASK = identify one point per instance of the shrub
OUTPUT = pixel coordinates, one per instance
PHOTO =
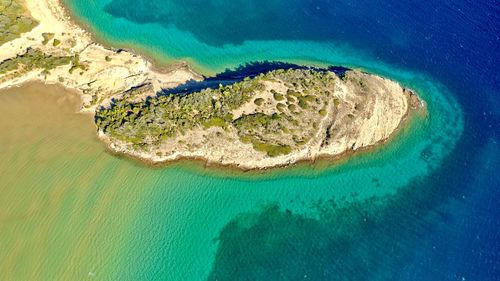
(47, 37)
(280, 107)
(277, 96)
(150, 122)
(271, 150)
(14, 20)
(33, 59)
(259, 101)
(303, 103)
(215, 122)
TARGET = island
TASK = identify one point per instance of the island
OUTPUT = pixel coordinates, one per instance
(273, 119)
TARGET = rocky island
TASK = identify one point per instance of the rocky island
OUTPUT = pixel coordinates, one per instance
(273, 119)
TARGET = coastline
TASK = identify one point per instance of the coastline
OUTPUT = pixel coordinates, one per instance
(142, 71)
(108, 71)
(237, 155)
(158, 62)
(320, 163)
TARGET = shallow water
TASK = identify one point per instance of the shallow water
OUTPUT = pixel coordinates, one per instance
(61, 192)
(95, 214)
(420, 208)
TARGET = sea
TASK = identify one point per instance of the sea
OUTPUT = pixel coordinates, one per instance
(424, 206)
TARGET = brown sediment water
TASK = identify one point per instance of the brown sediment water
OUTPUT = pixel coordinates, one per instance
(62, 208)
(70, 210)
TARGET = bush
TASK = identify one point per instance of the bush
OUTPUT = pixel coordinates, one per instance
(277, 96)
(56, 42)
(215, 122)
(47, 37)
(33, 59)
(259, 101)
(303, 103)
(148, 123)
(271, 150)
(13, 20)
(280, 107)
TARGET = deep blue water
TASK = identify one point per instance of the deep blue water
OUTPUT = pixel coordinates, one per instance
(454, 232)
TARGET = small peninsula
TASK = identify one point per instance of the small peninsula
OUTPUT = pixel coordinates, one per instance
(46, 45)
(272, 119)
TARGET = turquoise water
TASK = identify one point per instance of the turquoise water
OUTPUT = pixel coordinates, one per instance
(378, 216)
(175, 231)
(168, 43)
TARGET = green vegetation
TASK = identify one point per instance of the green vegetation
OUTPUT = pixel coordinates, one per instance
(303, 103)
(47, 37)
(258, 128)
(271, 150)
(277, 96)
(259, 101)
(215, 122)
(166, 116)
(56, 42)
(76, 64)
(147, 124)
(33, 59)
(14, 20)
(281, 107)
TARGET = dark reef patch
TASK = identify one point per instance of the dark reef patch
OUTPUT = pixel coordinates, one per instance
(401, 237)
